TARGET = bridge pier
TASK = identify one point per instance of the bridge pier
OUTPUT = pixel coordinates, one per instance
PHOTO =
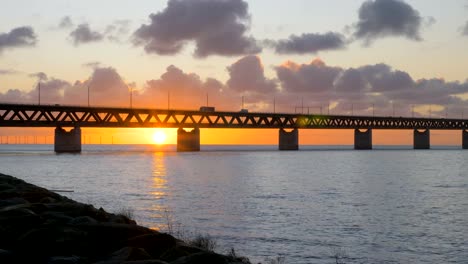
(422, 139)
(363, 139)
(465, 139)
(288, 140)
(188, 140)
(67, 141)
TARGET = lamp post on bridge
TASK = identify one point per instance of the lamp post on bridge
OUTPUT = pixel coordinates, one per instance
(274, 104)
(39, 94)
(131, 97)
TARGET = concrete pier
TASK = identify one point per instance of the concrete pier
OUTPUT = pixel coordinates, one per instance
(67, 141)
(465, 139)
(289, 140)
(363, 139)
(422, 139)
(188, 140)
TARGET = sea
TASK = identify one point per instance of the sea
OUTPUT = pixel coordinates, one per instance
(321, 204)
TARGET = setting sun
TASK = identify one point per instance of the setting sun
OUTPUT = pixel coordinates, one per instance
(159, 137)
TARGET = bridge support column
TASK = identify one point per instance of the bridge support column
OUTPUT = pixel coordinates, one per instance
(363, 139)
(67, 141)
(289, 140)
(188, 140)
(465, 139)
(422, 139)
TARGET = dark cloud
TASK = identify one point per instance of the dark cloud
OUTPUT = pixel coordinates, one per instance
(92, 64)
(351, 82)
(382, 78)
(382, 18)
(18, 37)
(310, 43)
(247, 76)
(357, 89)
(40, 76)
(83, 34)
(65, 22)
(218, 27)
(465, 29)
(315, 77)
(8, 72)
(117, 29)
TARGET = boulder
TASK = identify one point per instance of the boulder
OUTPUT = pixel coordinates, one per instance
(154, 243)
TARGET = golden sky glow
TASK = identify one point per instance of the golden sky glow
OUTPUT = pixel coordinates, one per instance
(420, 68)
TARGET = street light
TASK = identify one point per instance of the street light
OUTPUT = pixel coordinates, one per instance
(131, 94)
(274, 104)
(39, 96)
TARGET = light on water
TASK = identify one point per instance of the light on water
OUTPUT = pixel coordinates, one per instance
(379, 206)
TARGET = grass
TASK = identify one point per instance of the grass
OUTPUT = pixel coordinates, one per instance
(125, 211)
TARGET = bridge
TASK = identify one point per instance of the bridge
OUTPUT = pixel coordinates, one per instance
(76, 117)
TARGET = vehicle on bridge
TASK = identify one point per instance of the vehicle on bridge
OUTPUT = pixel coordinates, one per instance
(207, 109)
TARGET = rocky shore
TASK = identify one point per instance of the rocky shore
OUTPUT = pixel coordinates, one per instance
(40, 226)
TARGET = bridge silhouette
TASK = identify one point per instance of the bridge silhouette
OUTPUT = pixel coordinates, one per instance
(60, 116)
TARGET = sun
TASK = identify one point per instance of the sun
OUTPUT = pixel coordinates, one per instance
(159, 137)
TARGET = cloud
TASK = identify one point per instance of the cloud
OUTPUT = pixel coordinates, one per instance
(464, 30)
(8, 72)
(117, 29)
(65, 22)
(310, 43)
(83, 34)
(40, 76)
(106, 86)
(18, 37)
(217, 27)
(360, 88)
(92, 64)
(184, 90)
(382, 18)
(315, 77)
(316, 84)
(247, 76)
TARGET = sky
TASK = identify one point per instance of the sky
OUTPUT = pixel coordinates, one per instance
(390, 57)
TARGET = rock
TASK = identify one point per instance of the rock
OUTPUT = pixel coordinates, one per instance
(148, 261)
(66, 260)
(82, 220)
(6, 186)
(128, 254)
(53, 241)
(39, 226)
(55, 218)
(121, 219)
(154, 243)
(48, 200)
(203, 258)
(14, 222)
(179, 251)
(12, 201)
(6, 256)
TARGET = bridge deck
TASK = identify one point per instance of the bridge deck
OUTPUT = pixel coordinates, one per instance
(25, 115)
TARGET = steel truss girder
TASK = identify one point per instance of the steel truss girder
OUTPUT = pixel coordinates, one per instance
(15, 115)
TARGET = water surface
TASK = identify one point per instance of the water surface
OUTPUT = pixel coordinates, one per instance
(388, 205)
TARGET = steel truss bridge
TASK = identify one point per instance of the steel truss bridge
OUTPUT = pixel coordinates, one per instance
(26, 115)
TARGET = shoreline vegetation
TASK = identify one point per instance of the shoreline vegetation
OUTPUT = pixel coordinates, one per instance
(41, 226)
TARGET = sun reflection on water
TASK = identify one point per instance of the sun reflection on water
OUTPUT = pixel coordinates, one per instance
(159, 191)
